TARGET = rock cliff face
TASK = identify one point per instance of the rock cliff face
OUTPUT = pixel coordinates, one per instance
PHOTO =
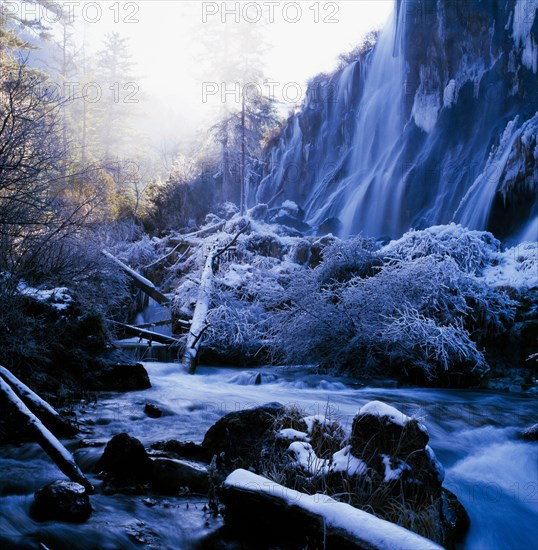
(438, 123)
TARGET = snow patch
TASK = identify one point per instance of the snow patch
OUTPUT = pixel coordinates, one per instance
(393, 474)
(306, 457)
(319, 418)
(344, 461)
(292, 435)
(379, 409)
(58, 298)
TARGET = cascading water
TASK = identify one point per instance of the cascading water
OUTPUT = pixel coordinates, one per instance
(437, 124)
(379, 126)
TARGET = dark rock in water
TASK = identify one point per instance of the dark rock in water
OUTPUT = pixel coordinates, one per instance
(152, 410)
(259, 212)
(265, 245)
(373, 434)
(240, 435)
(395, 447)
(455, 519)
(301, 252)
(62, 501)
(317, 249)
(171, 476)
(125, 460)
(290, 221)
(330, 225)
(530, 434)
(183, 449)
(117, 377)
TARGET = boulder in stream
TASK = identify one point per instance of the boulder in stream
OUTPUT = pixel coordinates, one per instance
(62, 501)
(170, 476)
(119, 377)
(531, 433)
(125, 460)
(240, 435)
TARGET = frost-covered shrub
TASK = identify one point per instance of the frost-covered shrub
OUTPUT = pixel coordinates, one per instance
(425, 313)
(237, 330)
(136, 254)
(471, 250)
(346, 259)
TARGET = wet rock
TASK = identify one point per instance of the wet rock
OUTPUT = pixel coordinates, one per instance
(183, 449)
(117, 377)
(318, 247)
(382, 433)
(125, 460)
(171, 476)
(62, 501)
(395, 448)
(240, 435)
(301, 252)
(152, 410)
(454, 517)
(265, 245)
(259, 212)
(292, 222)
(330, 225)
(531, 433)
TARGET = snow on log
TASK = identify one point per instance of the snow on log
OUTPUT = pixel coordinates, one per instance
(198, 325)
(254, 501)
(206, 231)
(48, 442)
(43, 410)
(147, 334)
(141, 282)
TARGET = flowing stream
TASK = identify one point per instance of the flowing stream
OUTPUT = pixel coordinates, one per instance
(474, 434)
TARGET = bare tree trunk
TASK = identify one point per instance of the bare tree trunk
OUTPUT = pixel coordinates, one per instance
(50, 417)
(243, 156)
(48, 442)
(141, 282)
(148, 334)
(198, 325)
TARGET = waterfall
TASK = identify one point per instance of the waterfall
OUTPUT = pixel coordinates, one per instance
(371, 188)
(437, 124)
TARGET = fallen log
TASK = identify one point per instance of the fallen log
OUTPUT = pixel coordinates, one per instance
(167, 255)
(48, 442)
(207, 231)
(154, 324)
(141, 282)
(147, 334)
(199, 325)
(256, 504)
(43, 410)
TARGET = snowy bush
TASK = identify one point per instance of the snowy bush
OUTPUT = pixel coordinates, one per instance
(138, 253)
(237, 330)
(426, 313)
(471, 250)
(346, 259)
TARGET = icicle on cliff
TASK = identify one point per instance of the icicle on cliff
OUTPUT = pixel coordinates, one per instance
(438, 123)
